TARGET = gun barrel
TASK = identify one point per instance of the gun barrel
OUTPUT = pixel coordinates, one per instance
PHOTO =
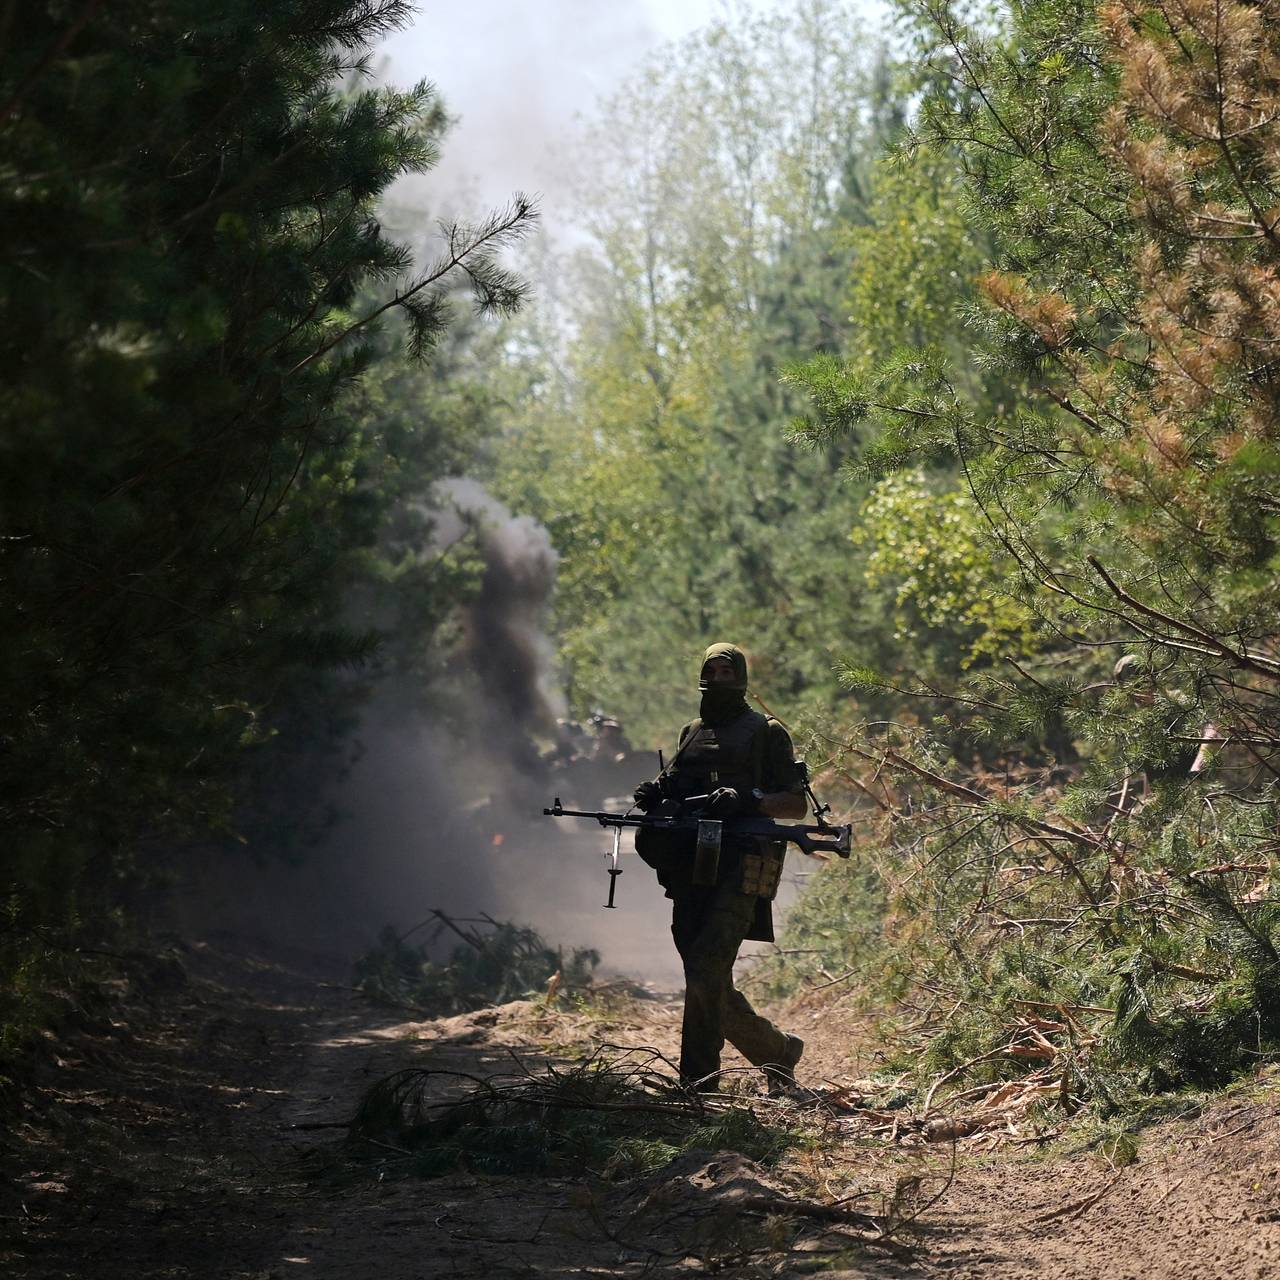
(604, 819)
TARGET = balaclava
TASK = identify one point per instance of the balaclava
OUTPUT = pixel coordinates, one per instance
(722, 703)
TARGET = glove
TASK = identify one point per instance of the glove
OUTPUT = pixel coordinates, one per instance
(648, 796)
(724, 802)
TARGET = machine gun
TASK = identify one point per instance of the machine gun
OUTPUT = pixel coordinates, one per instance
(818, 840)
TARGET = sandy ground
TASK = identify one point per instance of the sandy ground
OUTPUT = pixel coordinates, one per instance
(193, 1127)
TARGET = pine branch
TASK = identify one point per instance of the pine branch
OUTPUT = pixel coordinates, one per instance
(500, 229)
(1242, 658)
(58, 48)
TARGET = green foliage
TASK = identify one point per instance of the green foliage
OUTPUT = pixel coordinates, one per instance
(657, 444)
(650, 443)
(1102, 912)
(45, 981)
(505, 963)
(1118, 1150)
(839, 923)
(949, 579)
(916, 257)
(186, 334)
(202, 324)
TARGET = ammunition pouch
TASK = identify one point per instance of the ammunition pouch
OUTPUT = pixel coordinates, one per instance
(762, 873)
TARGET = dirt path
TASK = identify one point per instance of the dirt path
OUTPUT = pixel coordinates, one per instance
(164, 1141)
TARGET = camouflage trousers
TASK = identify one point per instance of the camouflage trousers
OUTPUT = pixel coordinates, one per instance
(708, 926)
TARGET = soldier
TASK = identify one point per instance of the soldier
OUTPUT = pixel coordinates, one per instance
(743, 762)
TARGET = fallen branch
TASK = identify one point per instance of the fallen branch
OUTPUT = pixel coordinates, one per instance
(783, 1207)
(1078, 1207)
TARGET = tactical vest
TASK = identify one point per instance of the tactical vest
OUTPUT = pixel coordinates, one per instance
(726, 755)
(729, 755)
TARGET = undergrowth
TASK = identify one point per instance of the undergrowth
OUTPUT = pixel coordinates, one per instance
(834, 935)
(615, 1117)
(1106, 974)
(493, 962)
(51, 976)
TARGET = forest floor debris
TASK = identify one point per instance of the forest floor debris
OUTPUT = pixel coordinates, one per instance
(202, 1128)
(494, 961)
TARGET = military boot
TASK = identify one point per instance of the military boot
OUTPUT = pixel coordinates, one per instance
(781, 1076)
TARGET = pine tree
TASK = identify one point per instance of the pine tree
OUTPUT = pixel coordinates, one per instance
(193, 287)
(1123, 165)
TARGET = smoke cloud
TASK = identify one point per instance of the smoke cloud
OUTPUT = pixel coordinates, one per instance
(449, 815)
(507, 648)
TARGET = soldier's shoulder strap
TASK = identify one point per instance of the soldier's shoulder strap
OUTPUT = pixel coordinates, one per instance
(687, 735)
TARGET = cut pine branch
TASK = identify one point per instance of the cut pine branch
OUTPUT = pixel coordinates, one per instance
(1049, 834)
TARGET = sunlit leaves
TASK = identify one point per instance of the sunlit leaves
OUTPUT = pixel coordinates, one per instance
(656, 452)
(947, 575)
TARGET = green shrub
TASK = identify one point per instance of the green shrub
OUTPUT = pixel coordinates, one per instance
(503, 963)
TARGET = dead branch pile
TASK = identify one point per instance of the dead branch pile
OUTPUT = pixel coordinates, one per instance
(622, 1116)
(617, 1112)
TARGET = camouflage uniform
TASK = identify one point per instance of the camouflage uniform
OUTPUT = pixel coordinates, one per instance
(742, 749)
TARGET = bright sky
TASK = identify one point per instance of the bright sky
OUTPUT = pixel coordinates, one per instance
(517, 72)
